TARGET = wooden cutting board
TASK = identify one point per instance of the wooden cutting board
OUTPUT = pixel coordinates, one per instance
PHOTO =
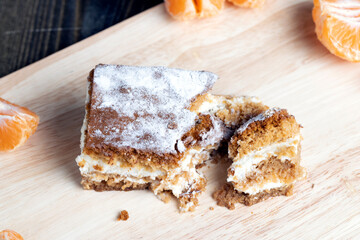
(272, 53)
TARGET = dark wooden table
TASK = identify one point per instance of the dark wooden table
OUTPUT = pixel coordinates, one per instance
(33, 29)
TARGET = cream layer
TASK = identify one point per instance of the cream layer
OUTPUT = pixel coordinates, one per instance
(242, 167)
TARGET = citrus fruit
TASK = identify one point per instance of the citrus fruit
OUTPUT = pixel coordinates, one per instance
(248, 3)
(10, 235)
(337, 26)
(17, 124)
(189, 9)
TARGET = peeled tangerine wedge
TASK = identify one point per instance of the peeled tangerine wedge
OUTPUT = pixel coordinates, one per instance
(248, 3)
(189, 9)
(338, 27)
(10, 235)
(17, 124)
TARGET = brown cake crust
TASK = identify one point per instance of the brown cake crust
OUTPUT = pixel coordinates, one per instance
(276, 128)
(227, 196)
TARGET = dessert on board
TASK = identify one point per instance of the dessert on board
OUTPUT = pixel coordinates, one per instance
(152, 127)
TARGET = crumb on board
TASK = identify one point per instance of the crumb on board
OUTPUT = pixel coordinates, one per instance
(211, 208)
(123, 216)
(164, 196)
(312, 186)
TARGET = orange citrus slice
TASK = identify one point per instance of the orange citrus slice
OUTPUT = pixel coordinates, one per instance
(337, 26)
(248, 3)
(189, 9)
(10, 235)
(17, 124)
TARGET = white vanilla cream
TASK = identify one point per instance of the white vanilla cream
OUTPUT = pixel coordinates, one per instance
(259, 188)
(177, 180)
(180, 179)
(117, 168)
(242, 167)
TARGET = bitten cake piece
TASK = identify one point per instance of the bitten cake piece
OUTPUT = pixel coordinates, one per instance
(150, 127)
(266, 159)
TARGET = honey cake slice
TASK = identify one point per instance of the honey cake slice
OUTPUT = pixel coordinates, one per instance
(265, 153)
(233, 111)
(139, 131)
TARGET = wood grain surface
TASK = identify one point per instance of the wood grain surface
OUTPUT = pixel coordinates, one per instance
(32, 30)
(272, 53)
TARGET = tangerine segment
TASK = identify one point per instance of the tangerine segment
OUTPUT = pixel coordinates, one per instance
(189, 9)
(337, 26)
(10, 235)
(248, 3)
(181, 9)
(208, 8)
(17, 124)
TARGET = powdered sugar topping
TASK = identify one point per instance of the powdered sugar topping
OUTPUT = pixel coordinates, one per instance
(148, 105)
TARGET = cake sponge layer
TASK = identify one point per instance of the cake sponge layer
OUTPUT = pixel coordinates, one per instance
(265, 153)
(227, 196)
(274, 125)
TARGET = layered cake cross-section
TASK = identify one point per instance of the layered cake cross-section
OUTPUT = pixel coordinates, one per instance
(265, 153)
(150, 127)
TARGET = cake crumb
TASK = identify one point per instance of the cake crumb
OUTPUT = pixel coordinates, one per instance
(211, 208)
(312, 186)
(164, 196)
(123, 216)
(200, 165)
